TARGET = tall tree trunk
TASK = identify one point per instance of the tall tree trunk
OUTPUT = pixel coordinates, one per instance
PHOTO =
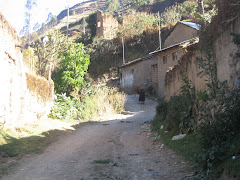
(200, 6)
(50, 68)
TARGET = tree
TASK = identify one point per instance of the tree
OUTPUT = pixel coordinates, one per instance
(112, 5)
(47, 50)
(29, 58)
(200, 6)
(28, 14)
(92, 24)
(74, 66)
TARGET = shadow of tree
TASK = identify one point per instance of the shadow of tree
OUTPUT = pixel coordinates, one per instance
(33, 144)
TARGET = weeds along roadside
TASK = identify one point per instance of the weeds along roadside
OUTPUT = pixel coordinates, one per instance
(211, 147)
(211, 121)
(94, 99)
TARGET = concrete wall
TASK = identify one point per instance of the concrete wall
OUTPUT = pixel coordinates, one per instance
(18, 103)
(166, 61)
(180, 33)
(138, 74)
(107, 26)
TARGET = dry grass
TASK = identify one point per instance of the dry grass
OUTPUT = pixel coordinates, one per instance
(103, 101)
(29, 139)
(40, 87)
(36, 129)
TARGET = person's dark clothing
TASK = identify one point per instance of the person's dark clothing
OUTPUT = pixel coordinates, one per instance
(142, 95)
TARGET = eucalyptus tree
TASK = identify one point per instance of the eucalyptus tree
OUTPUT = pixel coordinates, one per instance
(30, 4)
(47, 50)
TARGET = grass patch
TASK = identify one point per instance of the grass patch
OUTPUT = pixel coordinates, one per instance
(103, 161)
(3, 170)
(28, 145)
(31, 139)
(189, 146)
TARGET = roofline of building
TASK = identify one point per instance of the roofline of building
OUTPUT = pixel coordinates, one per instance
(187, 43)
(182, 22)
(185, 23)
(149, 56)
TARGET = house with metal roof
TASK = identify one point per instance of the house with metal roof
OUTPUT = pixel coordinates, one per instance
(149, 71)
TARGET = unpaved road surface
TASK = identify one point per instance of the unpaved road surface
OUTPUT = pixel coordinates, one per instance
(125, 141)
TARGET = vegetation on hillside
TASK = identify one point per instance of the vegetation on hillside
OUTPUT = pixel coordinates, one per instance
(140, 33)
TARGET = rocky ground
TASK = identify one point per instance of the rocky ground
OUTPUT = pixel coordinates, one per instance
(122, 147)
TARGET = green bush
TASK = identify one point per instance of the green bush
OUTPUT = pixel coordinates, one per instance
(177, 111)
(160, 116)
(74, 65)
(218, 136)
(175, 114)
(188, 8)
(84, 38)
(93, 100)
(66, 108)
(171, 15)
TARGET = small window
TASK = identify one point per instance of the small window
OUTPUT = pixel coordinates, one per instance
(154, 67)
(174, 56)
(132, 71)
(164, 59)
(99, 24)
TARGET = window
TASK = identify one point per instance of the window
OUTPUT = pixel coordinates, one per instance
(132, 71)
(154, 67)
(99, 24)
(164, 59)
(174, 56)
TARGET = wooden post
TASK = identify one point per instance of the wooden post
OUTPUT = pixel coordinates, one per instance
(67, 20)
(159, 26)
(123, 50)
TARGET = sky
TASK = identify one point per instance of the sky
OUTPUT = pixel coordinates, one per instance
(14, 10)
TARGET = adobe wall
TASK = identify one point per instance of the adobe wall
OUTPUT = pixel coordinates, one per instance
(154, 70)
(187, 65)
(19, 103)
(228, 65)
(179, 34)
(107, 25)
(138, 74)
(163, 67)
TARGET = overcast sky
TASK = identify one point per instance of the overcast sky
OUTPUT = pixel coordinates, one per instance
(13, 10)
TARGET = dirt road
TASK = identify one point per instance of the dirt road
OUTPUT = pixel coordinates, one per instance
(120, 148)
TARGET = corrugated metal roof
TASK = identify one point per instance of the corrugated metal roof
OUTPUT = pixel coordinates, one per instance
(186, 43)
(191, 24)
(152, 54)
(138, 60)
